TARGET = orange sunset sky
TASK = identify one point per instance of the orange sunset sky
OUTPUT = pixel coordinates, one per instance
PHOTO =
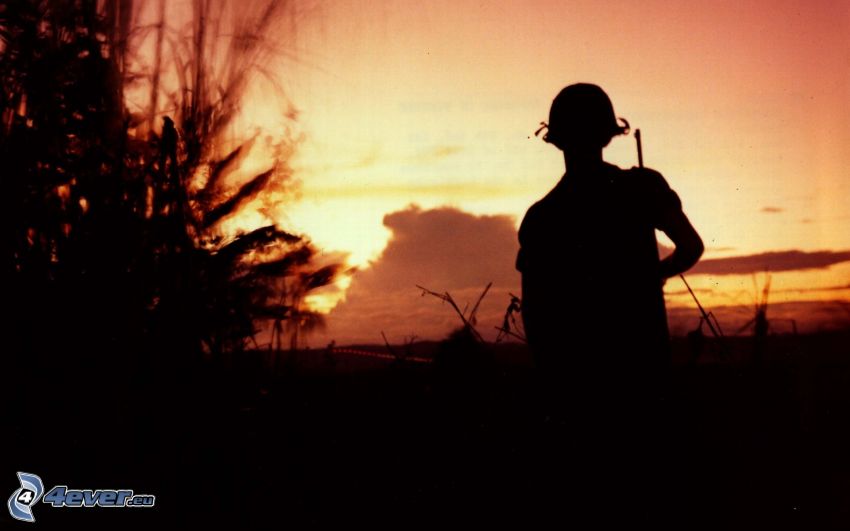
(418, 158)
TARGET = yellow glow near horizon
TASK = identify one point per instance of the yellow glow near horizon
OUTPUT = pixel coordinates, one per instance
(786, 286)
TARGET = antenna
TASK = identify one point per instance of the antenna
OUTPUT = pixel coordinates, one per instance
(639, 147)
(715, 330)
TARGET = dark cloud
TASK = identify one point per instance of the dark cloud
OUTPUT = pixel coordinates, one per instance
(443, 249)
(772, 210)
(665, 250)
(773, 261)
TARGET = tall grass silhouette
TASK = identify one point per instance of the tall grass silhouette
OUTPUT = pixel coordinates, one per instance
(119, 148)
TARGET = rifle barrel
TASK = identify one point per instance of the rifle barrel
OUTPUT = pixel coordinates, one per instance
(640, 148)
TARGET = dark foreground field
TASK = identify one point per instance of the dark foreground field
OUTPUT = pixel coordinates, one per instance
(342, 440)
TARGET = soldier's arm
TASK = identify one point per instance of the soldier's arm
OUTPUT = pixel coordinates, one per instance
(689, 246)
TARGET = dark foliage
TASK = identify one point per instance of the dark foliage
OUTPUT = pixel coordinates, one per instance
(104, 244)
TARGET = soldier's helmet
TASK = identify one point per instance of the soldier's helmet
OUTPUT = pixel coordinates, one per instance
(582, 116)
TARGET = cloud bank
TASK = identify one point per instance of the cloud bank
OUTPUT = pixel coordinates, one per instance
(443, 249)
(774, 261)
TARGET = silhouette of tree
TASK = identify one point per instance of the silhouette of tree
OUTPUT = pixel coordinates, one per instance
(112, 234)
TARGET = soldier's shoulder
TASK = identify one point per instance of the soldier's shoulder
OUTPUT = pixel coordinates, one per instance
(639, 172)
(646, 179)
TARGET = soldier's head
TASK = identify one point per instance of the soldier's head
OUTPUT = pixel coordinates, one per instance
(581, 118)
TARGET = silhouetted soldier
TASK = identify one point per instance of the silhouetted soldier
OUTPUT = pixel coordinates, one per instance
(170, 190)
(593, 306)
(168, 144)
